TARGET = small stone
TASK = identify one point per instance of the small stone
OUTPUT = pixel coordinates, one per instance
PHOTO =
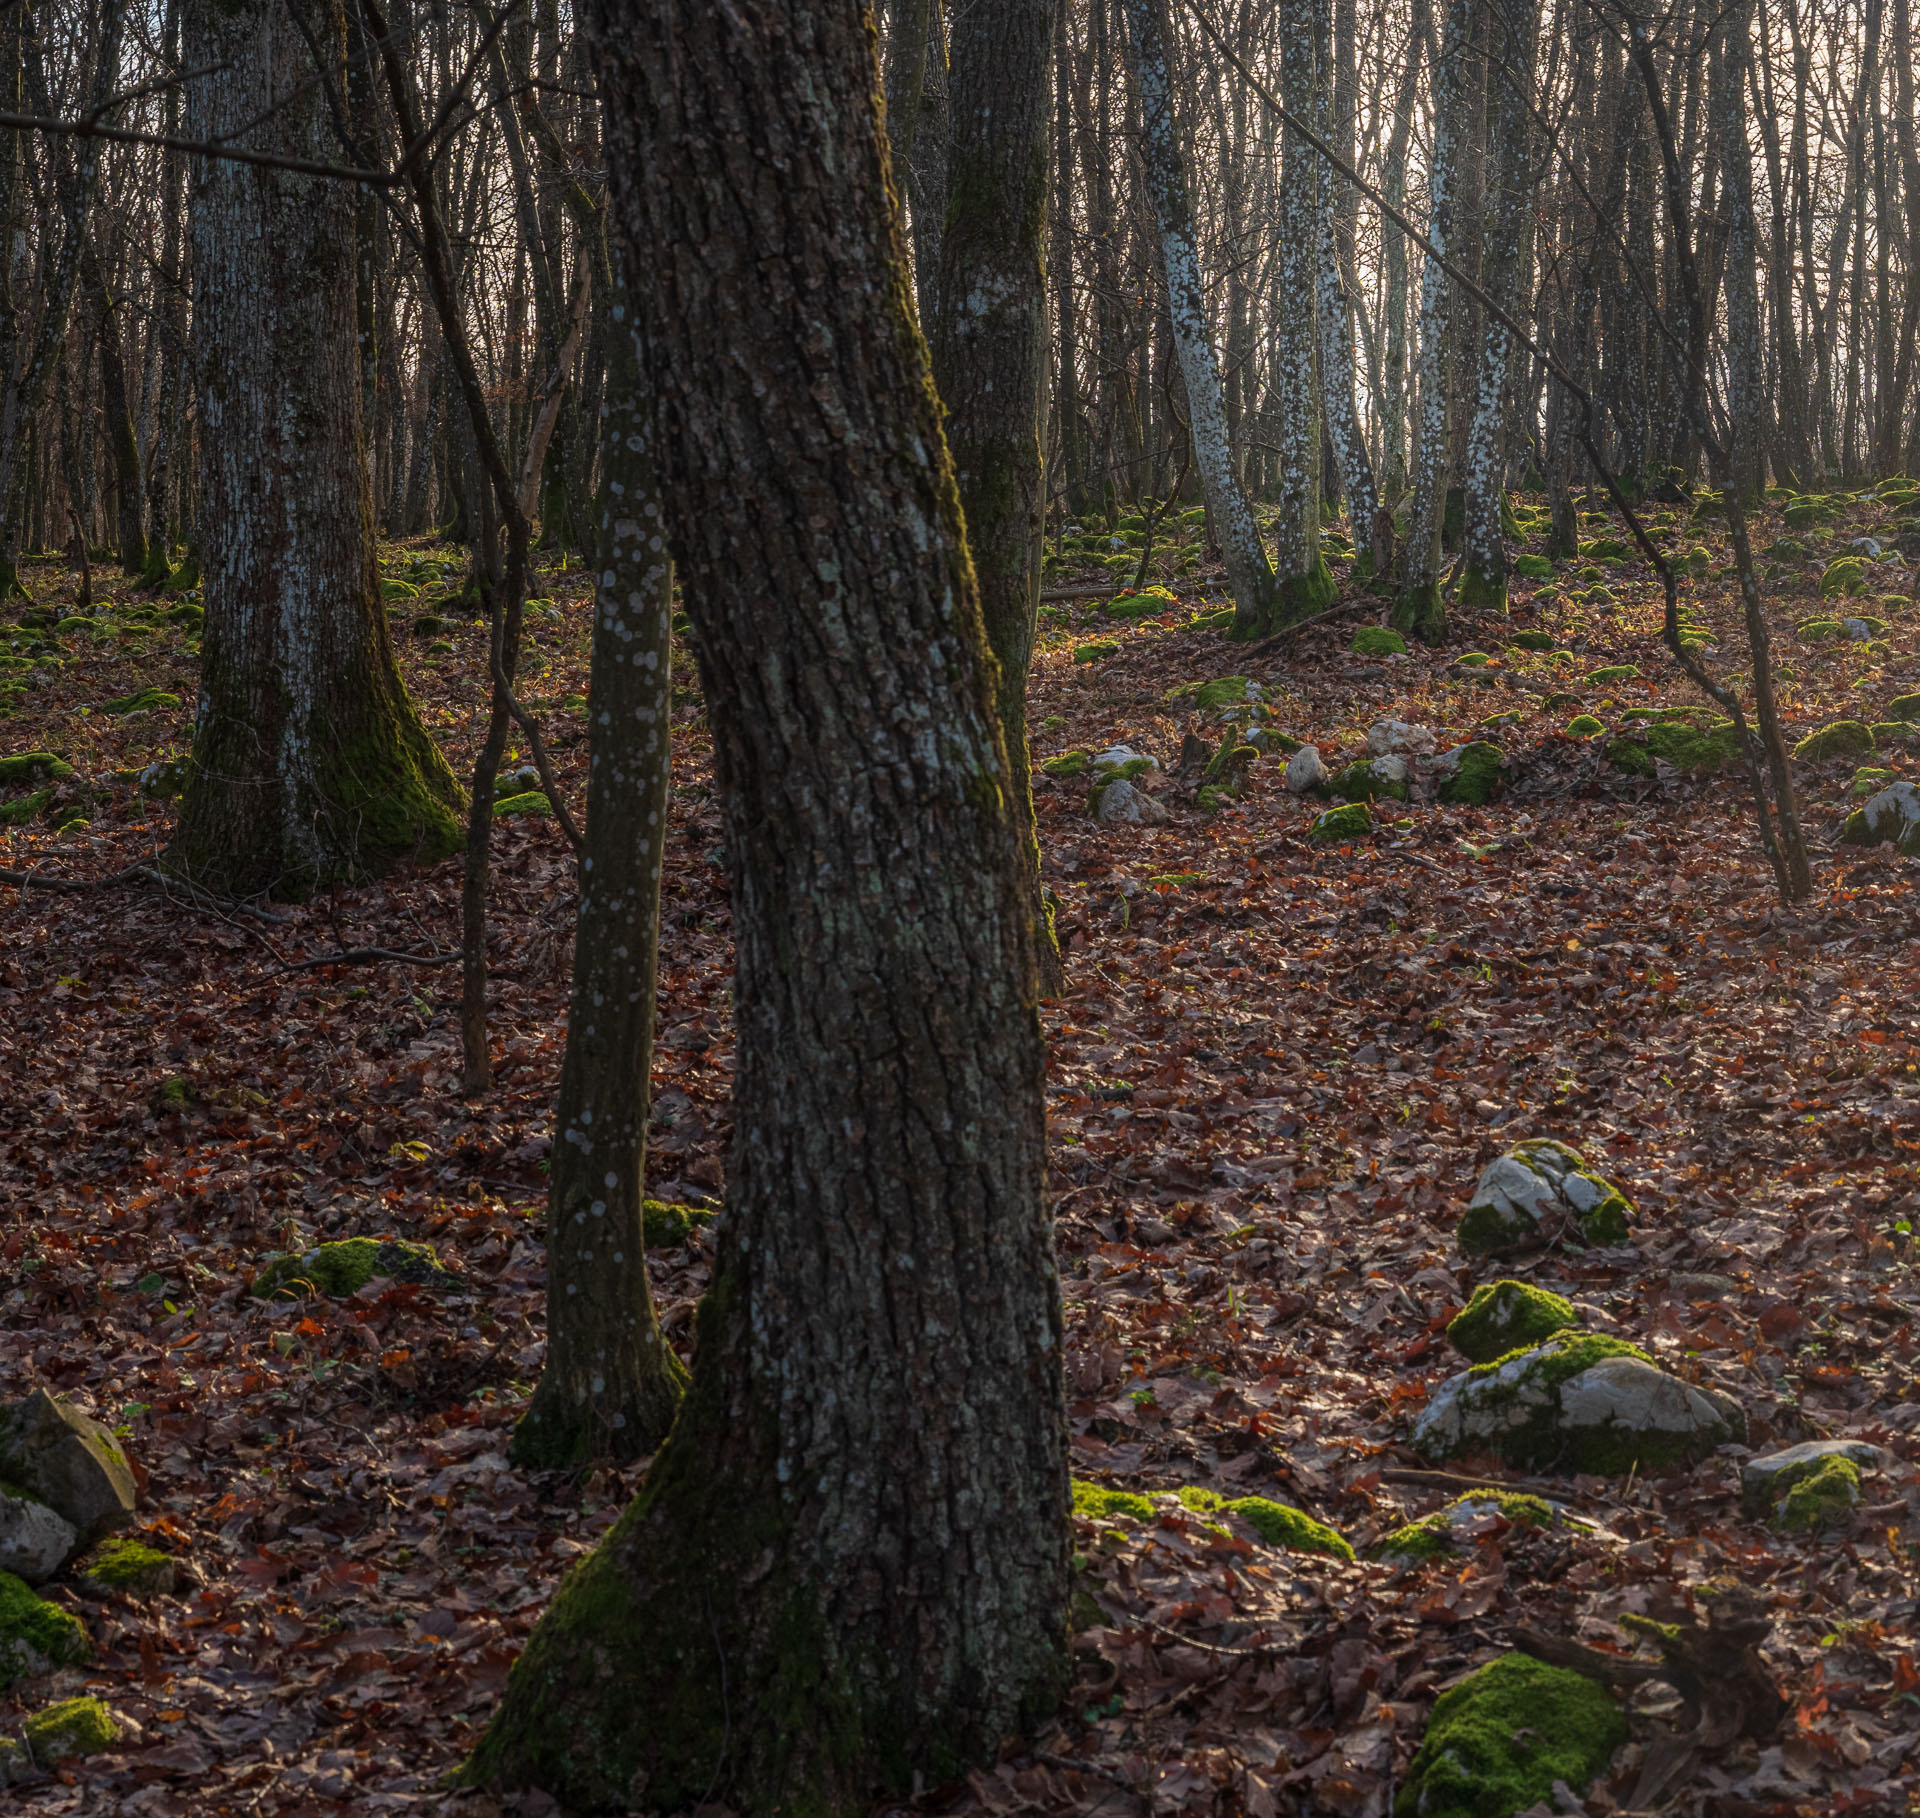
(1892, 816)
(35, 1541)
(1120, 803)
(1352, 822)
(1765, 1481)
(70, 1463)
(1391, 735)
(1305, 772)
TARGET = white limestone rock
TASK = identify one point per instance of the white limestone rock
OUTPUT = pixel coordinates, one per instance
(1391, 735)
(1305, 772)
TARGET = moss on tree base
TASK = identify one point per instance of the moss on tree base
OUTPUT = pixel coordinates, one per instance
(1421, 612)
(1478, 588)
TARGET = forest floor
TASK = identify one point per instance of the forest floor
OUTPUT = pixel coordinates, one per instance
(1275, 1076)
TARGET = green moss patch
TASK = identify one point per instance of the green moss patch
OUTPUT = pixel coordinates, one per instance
(1611, 673)
(1822, 1494)
(147, 700)
(1696, 750)
(1904, 707)
(1532, 640)
(1840, 739)
(1439, 1533)
(1584, 726)
(666, 1227)
(1370, 780)
(1351, 822)
(1499, 1740)
(1471, 774)
(34, 1634)
(69, 1729)
(130, 1567)
(42, 767)
(1276, 1523)
(339, 1270)
(1225, 691)
(1533, 568)
(1095, 650)
(26, 808)
(1817, 630)
(1844, 575)
(531, 801)
(1506, 1316)
(1378, 641)
(1068, 764)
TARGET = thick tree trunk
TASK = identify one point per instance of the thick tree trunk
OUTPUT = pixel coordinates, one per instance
(1508, 265)
(309, 763)
(848, 1566)
(1256, 595)
(988, 336)
(610, 1387)
(1419, 608)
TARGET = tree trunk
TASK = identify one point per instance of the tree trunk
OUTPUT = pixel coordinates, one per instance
(1508, 265)
(308, 763)
(988, 334)
(1419, 608)
(1746, 388)
(610, 1386)
(123, 444)
(848, 1566)
(1300, 572)
(1256, 595)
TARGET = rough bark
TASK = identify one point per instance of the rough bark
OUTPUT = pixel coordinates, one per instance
(123, 444)
(610, 1386)
(849, 1563)
(1419, 609)
(1256, 595)
(1746, 355)
(1508, 265)
(308, 763)
(988, 336)
(1299, 569)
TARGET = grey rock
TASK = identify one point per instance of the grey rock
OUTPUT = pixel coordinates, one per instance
(35, 1541)
(1305, 772)
(1119, 802)
(1760, 1477)
(1857, 629)
(70, 1463)
(1392, 735)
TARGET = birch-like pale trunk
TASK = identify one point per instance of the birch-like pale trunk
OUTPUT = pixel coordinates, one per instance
(1393, 414)
(1508, 266)
(1299, 570)
(1419, 608)
(1334, 308)
(1256, 596)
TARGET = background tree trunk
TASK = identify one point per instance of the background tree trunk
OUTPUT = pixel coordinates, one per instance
(610, 1387)
(988, 336)
(309, 763)
(849, 1563)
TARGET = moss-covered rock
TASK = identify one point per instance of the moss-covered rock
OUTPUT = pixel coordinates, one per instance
(1838, 739)
(1350, 822)
(531, 801)
(1225, 691)
(1890, 732)
(145, 700)
(1605, 549)
(1817, 630)
(1695, 562)
(1891, 816)
(1579, 1402)
(1585, 726)
(1823, 1497)
(130, 1567)
(1378, 641)
(1532, 640)
(1443, 1532)
(1504, 1316)
(1613, 672)
(1539, 1190)
(393, 589)
(1094, 650)
(1768, 1483)
(1068, 764)
(1498, 1742)
(1277, 1524)
(68, 1730)
(23, 809)
(1700, 751)
(1469, 774)
(1843, 575)
(36, 1636)
(339, 1270)
(38, 767)
(1371, 779)
(1868, 780)
(1533, 567)
(1904, 707)
(1472, 659)
(665, 1226)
